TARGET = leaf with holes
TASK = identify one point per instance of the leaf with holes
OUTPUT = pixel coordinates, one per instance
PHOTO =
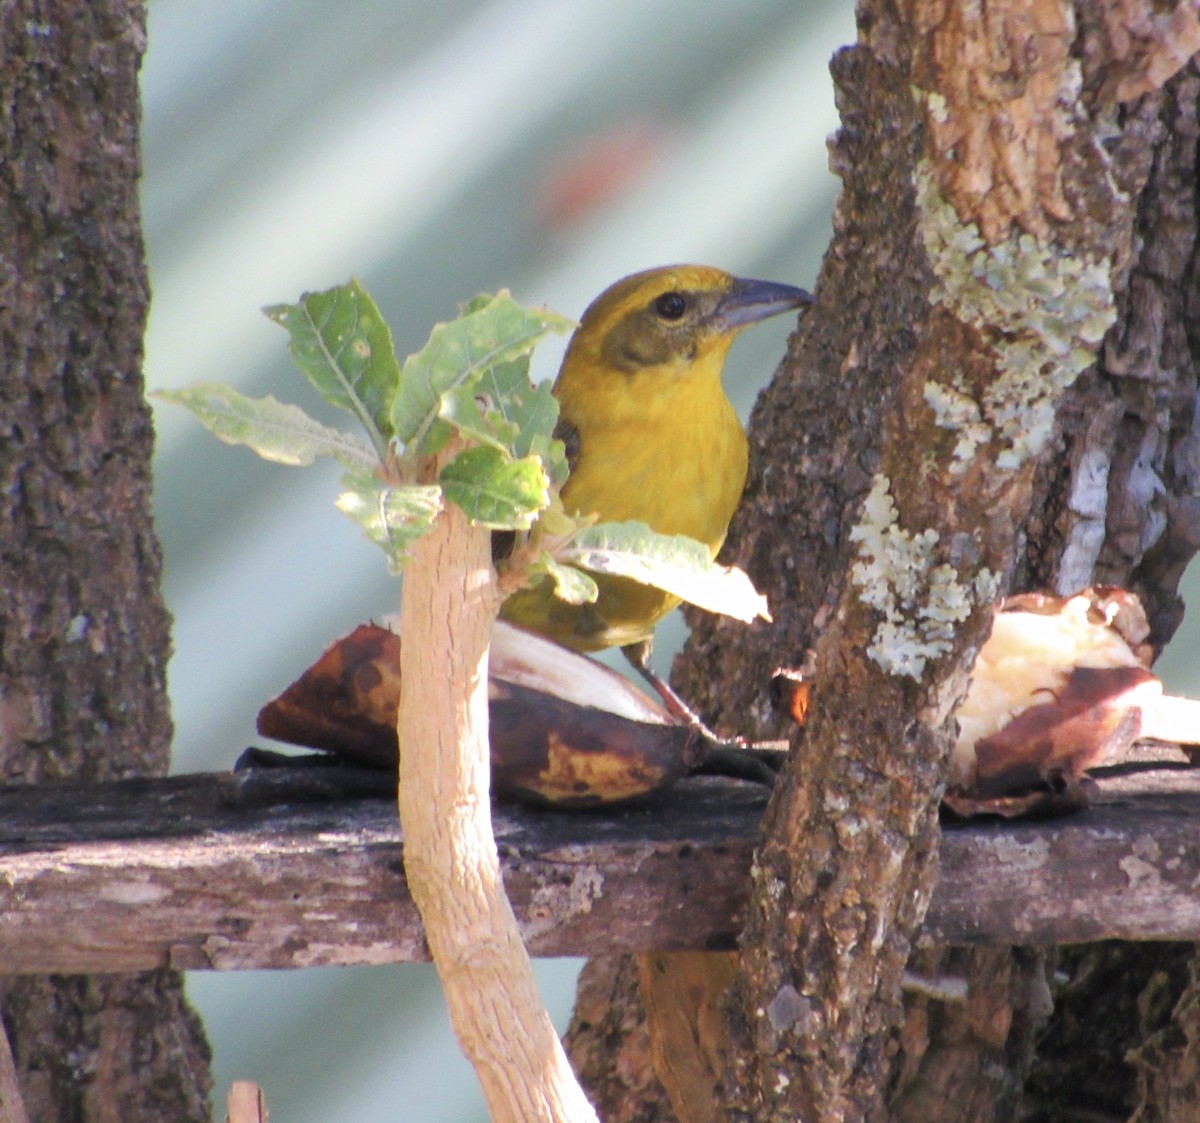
(341, 342)
(494, 490)
(452, 363)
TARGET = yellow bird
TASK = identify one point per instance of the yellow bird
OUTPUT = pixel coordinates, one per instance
(650, 436)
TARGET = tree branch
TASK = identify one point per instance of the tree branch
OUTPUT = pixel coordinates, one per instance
(981, 248)
(451, 861)
(218, 872)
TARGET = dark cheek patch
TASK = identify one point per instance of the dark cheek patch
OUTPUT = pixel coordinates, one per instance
(634, 344)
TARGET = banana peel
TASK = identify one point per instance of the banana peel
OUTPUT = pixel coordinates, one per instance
(565, 731)
(1062, 687)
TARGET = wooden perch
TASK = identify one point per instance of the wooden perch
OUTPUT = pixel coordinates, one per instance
(231, 871)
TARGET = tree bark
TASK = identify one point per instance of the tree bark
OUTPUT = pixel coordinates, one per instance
(1070, 132)
(83, 631)
(1117, 1036)
(609, 1044)
(208, 872)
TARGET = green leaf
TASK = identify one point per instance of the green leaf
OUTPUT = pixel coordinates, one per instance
(456, 357)
(394, 517)
(529, 412)
(473, 419)
(494, 490)
(570, 584)
(474, 303)
(339, 339)
(552, 453)
(282, 433)
(505, 410)
(679, 565)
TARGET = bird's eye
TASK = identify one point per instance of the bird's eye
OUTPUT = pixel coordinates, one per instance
(671, 305)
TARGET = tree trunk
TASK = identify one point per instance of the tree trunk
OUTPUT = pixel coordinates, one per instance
(1118, 506)
(83, 631)
(1063, 142)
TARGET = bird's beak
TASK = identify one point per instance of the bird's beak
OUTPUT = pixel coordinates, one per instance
(748, 301)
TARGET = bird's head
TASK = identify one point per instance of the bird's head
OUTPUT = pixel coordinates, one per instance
(674, 317)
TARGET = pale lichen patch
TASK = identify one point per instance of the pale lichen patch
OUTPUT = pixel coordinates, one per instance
(920, 599)
(552, 904)
(954, 409)
(939, 109)
(1045, 313)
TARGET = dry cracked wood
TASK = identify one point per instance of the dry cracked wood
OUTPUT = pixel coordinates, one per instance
(248, 870)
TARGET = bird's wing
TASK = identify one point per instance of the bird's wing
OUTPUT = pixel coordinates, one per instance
(569, 435)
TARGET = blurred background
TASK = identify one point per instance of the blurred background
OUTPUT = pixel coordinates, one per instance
(433, 151)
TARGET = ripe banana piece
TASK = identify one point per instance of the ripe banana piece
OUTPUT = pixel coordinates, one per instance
(565, 731)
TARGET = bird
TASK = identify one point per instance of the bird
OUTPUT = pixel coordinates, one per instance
(650, 436)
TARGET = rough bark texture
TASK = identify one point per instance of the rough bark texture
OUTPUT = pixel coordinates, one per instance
(1108, 1002)
(1121, 507)
(847, 867)
(1166, 1058)
(609, 1044)
(1115, 504)
(83, 632)
(964, 1055)
(210, 872)
(1049, 120)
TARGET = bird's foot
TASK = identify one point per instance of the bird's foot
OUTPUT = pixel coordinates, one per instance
(758, 761)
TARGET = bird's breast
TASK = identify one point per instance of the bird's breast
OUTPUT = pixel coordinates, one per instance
(681, 471)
